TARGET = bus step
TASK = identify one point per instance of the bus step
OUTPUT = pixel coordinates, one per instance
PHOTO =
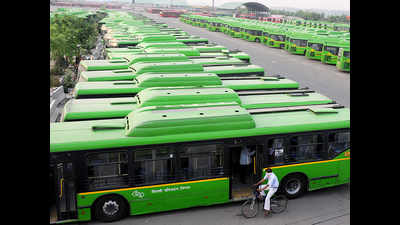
(53, 214)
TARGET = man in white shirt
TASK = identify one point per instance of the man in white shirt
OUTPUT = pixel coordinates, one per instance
(272, 187)
(245, 160)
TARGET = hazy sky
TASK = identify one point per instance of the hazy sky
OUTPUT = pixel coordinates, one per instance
(301, 4)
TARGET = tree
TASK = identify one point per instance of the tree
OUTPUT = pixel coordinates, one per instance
(69, 37)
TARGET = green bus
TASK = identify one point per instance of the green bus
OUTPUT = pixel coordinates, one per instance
(163, 158)
(214, 25)
(191, 53)
(297, 43)
(124, 42)
(196, 79)
(192, 40)
(343, 59)
(224, 26)
(223, 68)
(253, 33)
(205, 53)
(121, 64)
(162, 55)
(166, 46)
(341, 27)
(276, 38)
(331, 50)
(106, 108)
(314, 48)
(234, 30)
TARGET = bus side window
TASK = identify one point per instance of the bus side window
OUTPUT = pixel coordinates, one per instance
(154, 165)
(337, 143)
(305, 148)
(201, 161)
(275, 151)
(107, 169)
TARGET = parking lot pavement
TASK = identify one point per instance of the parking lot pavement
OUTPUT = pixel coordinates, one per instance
(330, 206)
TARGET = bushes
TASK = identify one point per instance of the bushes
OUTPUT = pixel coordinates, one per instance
(68, 81)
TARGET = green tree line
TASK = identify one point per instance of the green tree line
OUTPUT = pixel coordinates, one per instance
(70, 38)
(312, 16)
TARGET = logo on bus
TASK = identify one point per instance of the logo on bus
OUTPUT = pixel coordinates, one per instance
(138, 194)
(347, 154)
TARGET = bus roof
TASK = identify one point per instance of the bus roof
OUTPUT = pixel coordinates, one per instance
(97, 65)
(150, 125)
(82, 109)
(180, 79)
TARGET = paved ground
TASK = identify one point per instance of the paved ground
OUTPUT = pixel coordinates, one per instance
(323, 78)
(329, 206)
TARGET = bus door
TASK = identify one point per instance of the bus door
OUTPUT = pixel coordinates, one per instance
(65, 191)
(241, 177)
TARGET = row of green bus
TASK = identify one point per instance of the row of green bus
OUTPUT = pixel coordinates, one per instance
(158, 126)
(316, 43)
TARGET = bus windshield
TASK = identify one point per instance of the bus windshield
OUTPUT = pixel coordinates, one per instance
(315, 46)
(236, 29)
(299, 42)
(254, 32)
(278, 37)
(331, 49)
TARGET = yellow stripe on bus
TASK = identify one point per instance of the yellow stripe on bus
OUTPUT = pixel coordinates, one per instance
(152, 186)
(299, 164)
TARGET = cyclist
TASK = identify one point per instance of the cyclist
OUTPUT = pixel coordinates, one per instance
(272, 187)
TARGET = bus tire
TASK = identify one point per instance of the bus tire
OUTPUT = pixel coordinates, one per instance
(293, 185)
(110, 208)
(257, 40)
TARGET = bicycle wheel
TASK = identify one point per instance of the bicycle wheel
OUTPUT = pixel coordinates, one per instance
(278, 203)
(250, 208)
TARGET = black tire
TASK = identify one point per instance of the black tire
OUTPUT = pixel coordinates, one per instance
(250, 209)
(278, 203)
(293, 186)
(257, 40)
(110, 208)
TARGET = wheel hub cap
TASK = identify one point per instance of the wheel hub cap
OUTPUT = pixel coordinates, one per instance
(293, 186)
(110, 208)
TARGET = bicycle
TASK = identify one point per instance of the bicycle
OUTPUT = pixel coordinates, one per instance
(251, 206)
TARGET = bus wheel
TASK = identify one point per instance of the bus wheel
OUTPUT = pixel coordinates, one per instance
(110, 208)
(294, 186)
(257, 40)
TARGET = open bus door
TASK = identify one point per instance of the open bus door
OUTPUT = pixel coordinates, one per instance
(241, 189)
(65, 190)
